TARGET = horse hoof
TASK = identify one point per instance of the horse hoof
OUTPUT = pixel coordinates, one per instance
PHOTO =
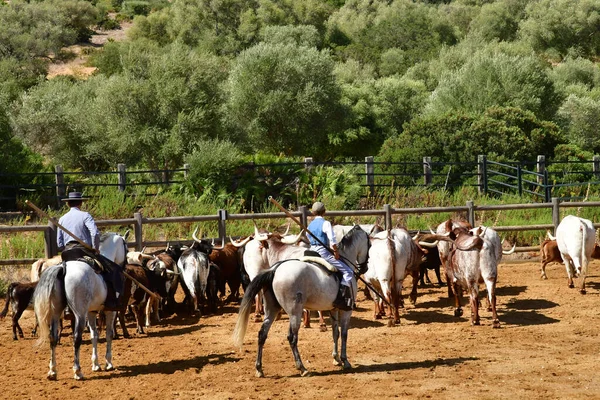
(496, 324)
(475, 323)
(582, 291)
(337, 362)
(346, 365)
(51, 376)
(78, 376)
(458, 312)
(259, 374)
(305, 373)
(323, 328)
(571, 286)
(377, 317)
(544, 277)
(109, 367)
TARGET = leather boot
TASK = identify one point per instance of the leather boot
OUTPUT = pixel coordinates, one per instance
(112, 302)
(344, 299)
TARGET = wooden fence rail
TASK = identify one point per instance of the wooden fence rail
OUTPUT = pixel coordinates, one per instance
(138, 222)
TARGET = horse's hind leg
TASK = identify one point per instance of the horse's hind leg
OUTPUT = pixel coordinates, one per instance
(335, 330)
(345, 325)
(54, 336)
(92, 324)
(295, 321)
(271, 311)
(110, 319)
(77, 338)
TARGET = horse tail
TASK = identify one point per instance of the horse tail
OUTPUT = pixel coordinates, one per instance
(262, 280)
(49, 301)
(8, 298)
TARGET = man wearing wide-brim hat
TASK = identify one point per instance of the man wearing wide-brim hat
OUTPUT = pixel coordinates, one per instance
(82, 225)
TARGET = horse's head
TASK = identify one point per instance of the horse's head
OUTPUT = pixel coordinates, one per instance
(354, 247)
(114, 247)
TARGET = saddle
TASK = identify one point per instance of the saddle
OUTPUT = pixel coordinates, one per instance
(83, 255)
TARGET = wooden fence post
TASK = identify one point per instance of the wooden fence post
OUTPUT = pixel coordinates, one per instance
(223, 215)
(369, 173)
(137, 229)
(596, 166)
(388, 216)
(121, 168)
(482, 173)
(60, 184)
(427, 171)
(304, 215)
(471, 212)
(540, 168)
(50, 245)
(186, 171)
(555, 212)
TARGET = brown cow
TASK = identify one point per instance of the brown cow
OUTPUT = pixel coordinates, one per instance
(228, 261)
(549, 253)
(18, 297)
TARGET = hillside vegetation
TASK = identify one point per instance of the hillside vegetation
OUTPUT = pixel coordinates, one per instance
(219, 84)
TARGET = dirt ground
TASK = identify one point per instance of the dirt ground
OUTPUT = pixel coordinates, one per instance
(547, 347)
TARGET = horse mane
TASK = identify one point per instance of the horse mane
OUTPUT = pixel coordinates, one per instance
(349, 237)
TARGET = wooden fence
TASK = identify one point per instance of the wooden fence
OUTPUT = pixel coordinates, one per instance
(138, 222)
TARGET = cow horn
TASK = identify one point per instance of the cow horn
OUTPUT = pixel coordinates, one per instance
(291, 239)
(416, 235)
(287, 230)
(550, 236)
(429, 244)
(169, 272)
(258, 235)
(167, 248)
(126, 234)
(510, 251)
(431, 230)
(240, 243)
(220, 247)
(194, 235)
(483, 229)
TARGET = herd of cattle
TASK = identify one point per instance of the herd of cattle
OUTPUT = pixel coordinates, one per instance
(468, 257)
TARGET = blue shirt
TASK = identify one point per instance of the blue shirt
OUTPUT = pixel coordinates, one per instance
(322, 229)
(81, 224)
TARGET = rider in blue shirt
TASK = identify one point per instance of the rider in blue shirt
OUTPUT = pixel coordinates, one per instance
(322, 229)
(82, 225)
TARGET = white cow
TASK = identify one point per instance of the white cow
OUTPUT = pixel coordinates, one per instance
(576, 239)
(475, 260)
(393, 255)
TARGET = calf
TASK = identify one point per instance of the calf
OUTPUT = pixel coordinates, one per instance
(575, 238)
(431, 261)
(228, 262)
(18, 297)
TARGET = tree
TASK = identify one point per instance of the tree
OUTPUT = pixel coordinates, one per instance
(284, 98)
(562, 27)
(496, 80)
(580, 118)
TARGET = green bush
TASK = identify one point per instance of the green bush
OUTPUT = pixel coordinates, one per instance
(135, 7)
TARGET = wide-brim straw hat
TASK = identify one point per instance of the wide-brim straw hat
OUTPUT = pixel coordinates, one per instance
(75, 196)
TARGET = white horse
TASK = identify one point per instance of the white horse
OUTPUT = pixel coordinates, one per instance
(295, 285)
(84, 291)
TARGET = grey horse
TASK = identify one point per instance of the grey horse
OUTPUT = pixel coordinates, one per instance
(294, 285)
(84, 291)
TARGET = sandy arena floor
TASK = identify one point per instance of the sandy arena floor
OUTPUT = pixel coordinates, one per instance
(546, 348)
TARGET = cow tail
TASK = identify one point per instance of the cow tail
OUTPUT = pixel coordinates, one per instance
(264, 280)
(8, 298)
(584, 258)
(394, 295)
(49, 301)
